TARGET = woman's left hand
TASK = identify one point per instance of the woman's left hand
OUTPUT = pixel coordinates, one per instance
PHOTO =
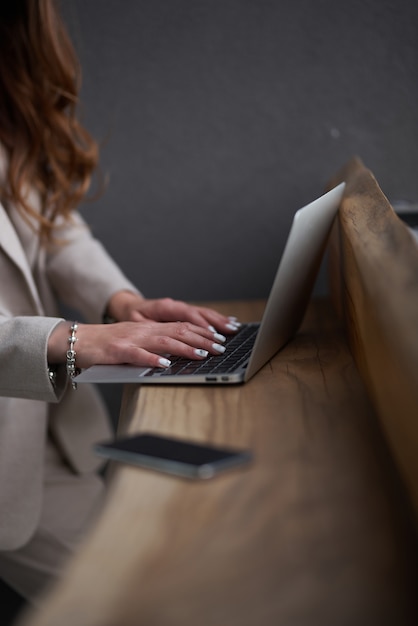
(131, 307)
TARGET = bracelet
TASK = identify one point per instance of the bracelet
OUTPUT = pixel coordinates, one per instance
(52, 375)
(72, 370)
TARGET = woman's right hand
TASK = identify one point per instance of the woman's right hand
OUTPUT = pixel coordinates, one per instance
(145, 343)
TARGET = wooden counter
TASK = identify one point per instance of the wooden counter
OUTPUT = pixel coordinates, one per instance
(374, 270)
(316, 532)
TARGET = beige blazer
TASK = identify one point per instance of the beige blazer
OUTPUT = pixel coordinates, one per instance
(82, 275)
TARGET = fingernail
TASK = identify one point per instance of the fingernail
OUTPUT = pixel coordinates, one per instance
(212, 329)
(199, 352)
(233, 326)
(232, 318)
(164, 362)
(219, 337)
(218, 347)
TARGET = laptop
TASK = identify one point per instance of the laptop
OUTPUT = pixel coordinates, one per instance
(255, 343)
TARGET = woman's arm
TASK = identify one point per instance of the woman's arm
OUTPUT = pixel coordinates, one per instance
(24, 359)
(143, 343)
(82, 273)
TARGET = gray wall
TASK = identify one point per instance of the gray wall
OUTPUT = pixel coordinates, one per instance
(218, 113)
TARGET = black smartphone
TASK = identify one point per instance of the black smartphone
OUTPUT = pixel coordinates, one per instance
(172, 455)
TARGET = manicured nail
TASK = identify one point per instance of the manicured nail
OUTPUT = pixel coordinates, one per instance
(212, 329)
(218, 348)
(164, 362)
(232, 318)
(199, 352)
(219, 337)
(235, 326)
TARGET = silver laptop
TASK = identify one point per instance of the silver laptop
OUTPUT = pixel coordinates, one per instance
(255, 343)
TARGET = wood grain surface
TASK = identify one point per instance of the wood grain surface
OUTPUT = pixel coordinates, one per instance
(374, 261)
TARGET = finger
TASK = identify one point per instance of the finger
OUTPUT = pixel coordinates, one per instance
(144, 358)
(167, 309)
(204, 317)
(221, 323)
(136, 316)
(186, 340)
(154, 351)
(184, 331)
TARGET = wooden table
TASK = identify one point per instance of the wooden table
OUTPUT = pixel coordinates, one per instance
(316, 532)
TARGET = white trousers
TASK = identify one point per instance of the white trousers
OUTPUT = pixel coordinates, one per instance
(70, 505)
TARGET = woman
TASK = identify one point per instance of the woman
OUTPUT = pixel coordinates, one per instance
(49, 490)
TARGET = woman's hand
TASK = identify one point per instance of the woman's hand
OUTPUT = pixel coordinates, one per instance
(145, 333)
(128, 306)
(143, 343)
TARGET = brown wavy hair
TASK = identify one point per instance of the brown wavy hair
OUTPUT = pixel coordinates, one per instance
(47, 147)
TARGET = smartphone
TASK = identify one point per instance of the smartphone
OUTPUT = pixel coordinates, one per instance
(172, 455)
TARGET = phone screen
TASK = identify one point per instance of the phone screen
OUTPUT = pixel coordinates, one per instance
(172, 455)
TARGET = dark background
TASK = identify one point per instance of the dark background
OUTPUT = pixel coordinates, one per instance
(223, 113)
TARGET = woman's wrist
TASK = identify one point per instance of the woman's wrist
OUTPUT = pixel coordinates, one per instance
(62, 349)
(120, 305)
(58, 344)
(72, 369)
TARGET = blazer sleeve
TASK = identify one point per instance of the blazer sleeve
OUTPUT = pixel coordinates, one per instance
(82, 273)
(23, 359)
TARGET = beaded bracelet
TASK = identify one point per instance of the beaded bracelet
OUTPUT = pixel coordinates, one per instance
(72, 370)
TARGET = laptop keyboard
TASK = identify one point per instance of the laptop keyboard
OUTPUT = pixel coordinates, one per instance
(238, 349)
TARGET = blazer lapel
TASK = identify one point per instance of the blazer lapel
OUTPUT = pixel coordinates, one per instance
(10, 243)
